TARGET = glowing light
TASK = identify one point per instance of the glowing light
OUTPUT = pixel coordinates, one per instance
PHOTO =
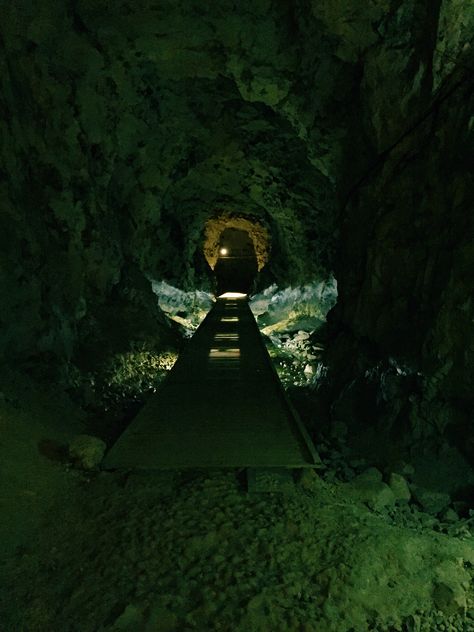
(226, 337)
(232, 295)
(223, 252)
(224, 353)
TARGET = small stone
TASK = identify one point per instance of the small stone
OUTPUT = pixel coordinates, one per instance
(370, 474)
(358, 464)
(449, 515)
(330, 476)
(309, 480)
(408, 470)
(427, 521)
(404, 469)
(431, 502)
(450, 598)
(348, 473)
(301, 335)
(130, 619)
(86, 451)
(369, 488)
(461, 507)
(162, 620)
(399, 487)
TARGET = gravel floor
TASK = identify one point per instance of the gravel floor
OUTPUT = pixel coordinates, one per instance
(195, 551)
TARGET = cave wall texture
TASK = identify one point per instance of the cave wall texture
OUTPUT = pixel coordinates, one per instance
(344, 128)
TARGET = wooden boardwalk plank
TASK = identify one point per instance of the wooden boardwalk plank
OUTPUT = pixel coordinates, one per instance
(221, 406)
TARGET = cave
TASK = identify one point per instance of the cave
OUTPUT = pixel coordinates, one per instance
(236, 265)
(315, 158)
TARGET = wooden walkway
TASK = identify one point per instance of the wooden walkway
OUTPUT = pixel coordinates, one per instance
(222, 405)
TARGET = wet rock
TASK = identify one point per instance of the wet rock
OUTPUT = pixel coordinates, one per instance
(431, 501)
(86, 451)
(399, 487)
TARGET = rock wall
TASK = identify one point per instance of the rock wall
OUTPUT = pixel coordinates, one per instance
(125, 127)
(405, 313)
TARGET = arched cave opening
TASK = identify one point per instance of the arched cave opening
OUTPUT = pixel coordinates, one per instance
(237, 264)
(319, 141)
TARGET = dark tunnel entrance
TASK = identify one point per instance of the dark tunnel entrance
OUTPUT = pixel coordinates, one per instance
(237, 264)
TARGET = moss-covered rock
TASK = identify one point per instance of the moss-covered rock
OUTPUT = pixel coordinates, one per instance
(87, 452)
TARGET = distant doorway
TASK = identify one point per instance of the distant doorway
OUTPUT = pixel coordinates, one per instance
(237, 264)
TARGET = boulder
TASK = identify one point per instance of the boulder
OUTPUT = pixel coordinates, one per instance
(399, 487)
(310, 480)
(430, 501)
(86, 451)
(449, 587)
(130, 620)
(369, 488)
(449, 515)
(371, 474)
(449, 597)
(404, 469)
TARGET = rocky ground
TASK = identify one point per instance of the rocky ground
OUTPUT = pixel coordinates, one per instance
(348, 547)
(292, 320)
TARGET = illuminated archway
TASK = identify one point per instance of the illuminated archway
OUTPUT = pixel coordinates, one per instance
(256, 231)
(237, 264)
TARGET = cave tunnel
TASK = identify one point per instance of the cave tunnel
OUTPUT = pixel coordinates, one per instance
(237, 265)
(315, 156)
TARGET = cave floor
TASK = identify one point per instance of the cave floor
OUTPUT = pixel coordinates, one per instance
(191, 550)
(222, 405)
(175, 552)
